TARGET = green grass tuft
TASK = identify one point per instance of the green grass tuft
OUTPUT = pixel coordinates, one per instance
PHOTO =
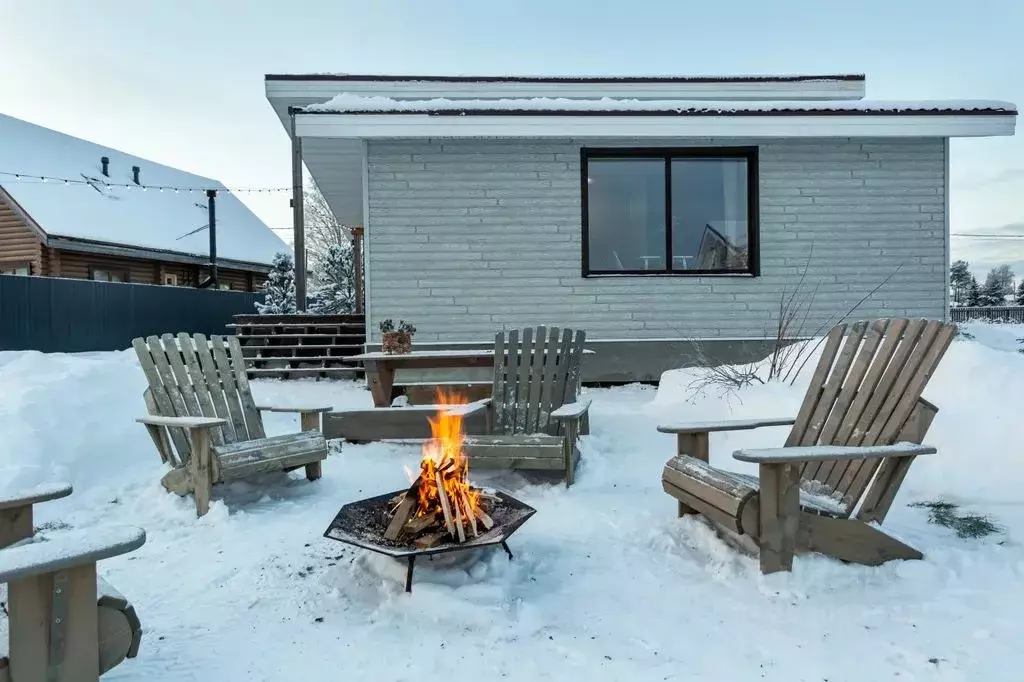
(966, 525)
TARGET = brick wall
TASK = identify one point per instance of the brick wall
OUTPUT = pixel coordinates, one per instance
(465, 237)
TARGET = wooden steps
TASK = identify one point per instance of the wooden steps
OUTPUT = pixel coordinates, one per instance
(301, 346)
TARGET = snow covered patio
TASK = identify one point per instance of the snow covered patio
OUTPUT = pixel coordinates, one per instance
(607, 583)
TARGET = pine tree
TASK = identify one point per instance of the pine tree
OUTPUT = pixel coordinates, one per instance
(992, 291)
(279, 291)
(334, 291)
(971, 294)
(959, 276)
(1020, 293)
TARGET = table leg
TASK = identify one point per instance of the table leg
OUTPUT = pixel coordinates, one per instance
(408, 573)
(380, 376)
(504, 546)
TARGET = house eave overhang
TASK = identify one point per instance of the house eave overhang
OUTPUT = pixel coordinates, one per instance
(654, 123)
(111, 249)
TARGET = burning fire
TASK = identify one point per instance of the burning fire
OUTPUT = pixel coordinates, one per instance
(444, 487)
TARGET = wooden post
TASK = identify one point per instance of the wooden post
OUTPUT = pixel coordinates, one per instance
(298, 218)
(780, 515)
(357, 258)
(695, 445)
(200, 469)
(15, 524)
(310, 421)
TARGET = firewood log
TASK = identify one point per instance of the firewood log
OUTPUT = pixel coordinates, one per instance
(405, 509)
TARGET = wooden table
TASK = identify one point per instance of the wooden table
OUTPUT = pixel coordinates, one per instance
(381, 367)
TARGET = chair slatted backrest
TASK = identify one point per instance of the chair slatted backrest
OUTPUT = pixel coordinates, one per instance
(536, 370)
(864, 390)
(192, 376)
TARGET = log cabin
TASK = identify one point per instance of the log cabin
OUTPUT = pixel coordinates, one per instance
(106, 215)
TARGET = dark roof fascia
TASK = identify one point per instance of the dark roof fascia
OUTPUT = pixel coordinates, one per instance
(126, 251)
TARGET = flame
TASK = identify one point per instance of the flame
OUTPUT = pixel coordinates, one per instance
(443, 460)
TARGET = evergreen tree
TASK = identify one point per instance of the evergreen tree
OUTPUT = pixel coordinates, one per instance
(971, 295)
(992, 291)
(1003, 276)
(1020, 293)
(279, 291)
(959, 277)
(334, 291)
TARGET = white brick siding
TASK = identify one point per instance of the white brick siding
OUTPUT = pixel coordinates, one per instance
(468, 236)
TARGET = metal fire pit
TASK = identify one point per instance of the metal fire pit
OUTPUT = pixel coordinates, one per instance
(363, 524)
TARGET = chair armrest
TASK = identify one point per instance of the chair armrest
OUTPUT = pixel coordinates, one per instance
(182, 422)
(725, 425)
(815, 453)
(468, 408)
(30, 496)
(571, 410)
(67, 549)
(308, 409)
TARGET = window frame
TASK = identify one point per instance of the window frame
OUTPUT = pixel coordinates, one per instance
(125, 275)
(667, 154)
(17, 265)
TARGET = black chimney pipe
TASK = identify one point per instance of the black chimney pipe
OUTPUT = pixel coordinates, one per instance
(211, 196)
(105, 161)
(135, 174)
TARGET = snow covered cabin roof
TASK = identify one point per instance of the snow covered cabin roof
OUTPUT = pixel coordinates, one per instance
(149, 224)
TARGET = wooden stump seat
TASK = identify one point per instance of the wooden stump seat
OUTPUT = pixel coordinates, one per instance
(55, 577)
(858, 430)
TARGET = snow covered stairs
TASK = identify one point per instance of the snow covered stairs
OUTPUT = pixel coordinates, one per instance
(301, 345)
(859, 429)
(66, 623)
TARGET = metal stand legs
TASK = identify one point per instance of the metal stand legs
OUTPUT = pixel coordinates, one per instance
(412, 566)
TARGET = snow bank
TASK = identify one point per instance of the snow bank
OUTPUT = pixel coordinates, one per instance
(607, 584)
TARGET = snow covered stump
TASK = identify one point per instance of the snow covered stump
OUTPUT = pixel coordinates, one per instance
(440, 512)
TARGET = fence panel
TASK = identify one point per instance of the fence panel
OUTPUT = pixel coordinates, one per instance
(1008, 313)
(75, 315)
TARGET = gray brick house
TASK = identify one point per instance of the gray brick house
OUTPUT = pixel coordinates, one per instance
(651, 211)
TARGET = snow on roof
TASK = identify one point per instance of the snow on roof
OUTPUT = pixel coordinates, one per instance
(568, 78)
(118, 215)
(353, 104)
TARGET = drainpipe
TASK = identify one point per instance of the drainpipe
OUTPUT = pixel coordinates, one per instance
(211, 207)
(298, 226)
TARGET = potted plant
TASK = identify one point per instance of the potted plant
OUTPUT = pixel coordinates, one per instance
(396, 341)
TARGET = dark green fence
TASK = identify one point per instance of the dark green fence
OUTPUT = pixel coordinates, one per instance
(75, 315)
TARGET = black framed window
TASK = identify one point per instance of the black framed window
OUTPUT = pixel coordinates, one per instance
(670, 211)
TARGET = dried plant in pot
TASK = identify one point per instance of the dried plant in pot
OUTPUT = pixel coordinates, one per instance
(396, 341)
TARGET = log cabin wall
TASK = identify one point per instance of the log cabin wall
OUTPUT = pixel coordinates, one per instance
(18, 243)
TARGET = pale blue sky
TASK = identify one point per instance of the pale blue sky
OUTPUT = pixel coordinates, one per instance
(182, 82)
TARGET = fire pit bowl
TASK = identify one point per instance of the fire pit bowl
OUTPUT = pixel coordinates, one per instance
(363, 523)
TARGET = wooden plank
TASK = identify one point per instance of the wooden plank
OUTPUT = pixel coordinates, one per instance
(202, 391)
(203, 475)
(780, 516)
(724, 494)
(523, 384)
(213, 385)
(831, 388)
(817, 471)
(851, 540)
(701, 506)
(253, 420)
(181, 377)
(532, 407)
(158, 393)
(696, 445)
(558, 380)
(15, 524)
(926, 358)
(272, 447)
(227, 379)
(392, 423)
(549, 382)
(507, 406)
(499, 384)
(892, 382)
(574, 367)
(170, 389)
(810, 402)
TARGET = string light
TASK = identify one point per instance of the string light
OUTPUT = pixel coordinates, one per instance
(28, 177)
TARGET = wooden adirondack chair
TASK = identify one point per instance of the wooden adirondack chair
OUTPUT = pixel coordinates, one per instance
(64, 622)
(534, 415)
(200, 403)
(857, 432)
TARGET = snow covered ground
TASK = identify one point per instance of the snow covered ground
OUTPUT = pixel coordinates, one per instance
(606, 585)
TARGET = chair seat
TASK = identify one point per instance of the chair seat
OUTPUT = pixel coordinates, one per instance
(275, 453)
(519, 451)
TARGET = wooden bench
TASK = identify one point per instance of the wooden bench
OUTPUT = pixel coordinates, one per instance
(425, 392)
(98, 626)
